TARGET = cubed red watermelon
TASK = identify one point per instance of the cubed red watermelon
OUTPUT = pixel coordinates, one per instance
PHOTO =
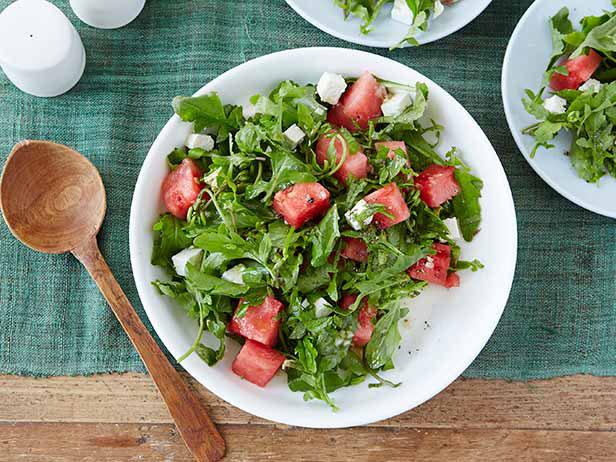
(392, 146)
(359, 104)
(354, 249)
(260, 323)
(453, 280)
(579, 69)
(437, 184)
(393, 200)
(433, 268)
(366, 314)
(301, 202)
(181, 188)
(355, 164)
(257, 363)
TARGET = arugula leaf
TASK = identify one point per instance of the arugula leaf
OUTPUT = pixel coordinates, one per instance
(386, 337)
(601, 38)
(170, 239)
(324, 237)
(561, 27)
(212, 284)
(203, 111)
(286, 170)
(466, 204)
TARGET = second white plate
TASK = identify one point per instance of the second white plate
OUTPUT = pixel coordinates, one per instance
(525, 61)
(386, 33)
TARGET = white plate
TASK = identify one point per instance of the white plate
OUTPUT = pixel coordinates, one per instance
(386, 32)
(526, 58)
(458, 322)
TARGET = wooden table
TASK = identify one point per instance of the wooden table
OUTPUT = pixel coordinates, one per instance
(111, 418)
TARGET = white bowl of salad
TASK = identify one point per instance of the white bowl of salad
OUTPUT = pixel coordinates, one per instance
(389, 23)
(309, 244)
(559, 93)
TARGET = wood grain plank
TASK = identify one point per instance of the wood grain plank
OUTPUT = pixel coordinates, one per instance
(68, 442)
(568, 403)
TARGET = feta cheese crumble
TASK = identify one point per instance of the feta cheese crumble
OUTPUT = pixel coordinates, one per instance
(402, 13)
(294, 135)
(234, 274)
(190, 255)
(592, 85)
(249, 111)
(452, 226)
(355, 215)
(211, 179)
(331, 87)
(322, 308)
(396, 104)
(555, 105)
(197, 140)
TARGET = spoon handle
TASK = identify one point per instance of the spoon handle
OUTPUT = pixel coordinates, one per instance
(190, 416)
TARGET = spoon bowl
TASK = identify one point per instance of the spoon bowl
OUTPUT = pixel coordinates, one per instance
(52, 197)
(53, 200)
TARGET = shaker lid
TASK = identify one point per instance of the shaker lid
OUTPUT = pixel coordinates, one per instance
(34, 35)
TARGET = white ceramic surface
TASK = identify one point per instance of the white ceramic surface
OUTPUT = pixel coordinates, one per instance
(386, 33)
(107, 14)
(460, 320)
(525, 61)
(40, 50)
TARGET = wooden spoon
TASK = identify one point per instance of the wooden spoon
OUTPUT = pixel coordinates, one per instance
(53, 200)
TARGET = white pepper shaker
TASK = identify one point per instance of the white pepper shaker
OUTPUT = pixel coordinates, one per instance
(107, 14)
(40, 50)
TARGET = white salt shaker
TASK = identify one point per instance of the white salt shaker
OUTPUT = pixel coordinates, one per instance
(107, 14)
(40, 50)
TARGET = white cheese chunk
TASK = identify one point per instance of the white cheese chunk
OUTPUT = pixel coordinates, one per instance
(234, 274)
(331, 87)
(592, 85)
(322, 308)
(191, 255)
(396, 104)
(353, 216)
(555, 105)
(211, 179)
(402, 13)
(452, 226)
(197, 140)
(294, 135)
(249, 111)
(438, 9)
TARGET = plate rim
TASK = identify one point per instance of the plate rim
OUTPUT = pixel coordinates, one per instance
(367, 41)
(462, 364)
(518, 136)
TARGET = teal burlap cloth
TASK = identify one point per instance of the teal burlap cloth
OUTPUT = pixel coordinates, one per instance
(561, 316)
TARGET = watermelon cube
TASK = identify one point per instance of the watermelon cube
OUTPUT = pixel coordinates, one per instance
(301, 202)
(355, 164)
(354, 249)
(359, 104)
(257, 363)
(393, 200)
(433, 268)
(260, 323)
(437, 184)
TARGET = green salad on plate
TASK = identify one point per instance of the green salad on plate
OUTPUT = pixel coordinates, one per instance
(300, 223)
(581, 76)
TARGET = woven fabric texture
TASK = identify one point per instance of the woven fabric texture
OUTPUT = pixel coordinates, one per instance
(561, 316)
